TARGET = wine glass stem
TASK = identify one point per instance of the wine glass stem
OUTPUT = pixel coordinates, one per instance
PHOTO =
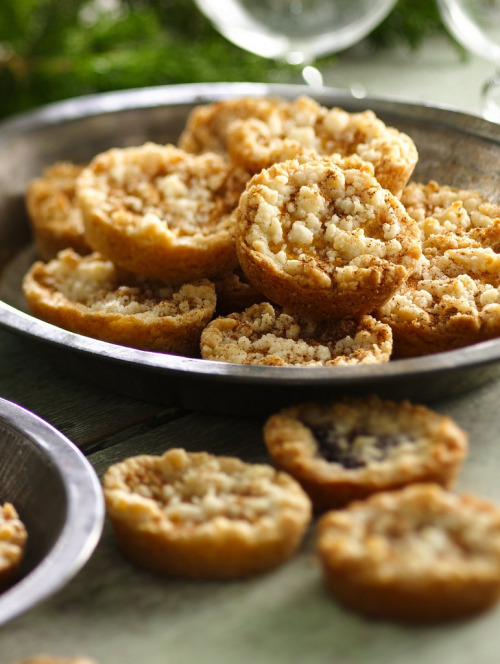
(491, 97)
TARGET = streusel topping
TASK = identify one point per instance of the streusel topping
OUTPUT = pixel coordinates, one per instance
(195, 490)
(263, 334)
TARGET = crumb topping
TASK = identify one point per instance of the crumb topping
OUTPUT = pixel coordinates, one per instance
(355, 434)
(264, 334)
(442, 209)
(314, 211)
(164, 187)
(196, 489)
(421, 528)
(304, 127)
(98, 285)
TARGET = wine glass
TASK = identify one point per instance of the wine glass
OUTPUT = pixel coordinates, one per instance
(476, 25)
(295, 31)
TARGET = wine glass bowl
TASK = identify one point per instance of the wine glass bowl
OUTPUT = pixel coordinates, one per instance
(295, 31)
(475, 24)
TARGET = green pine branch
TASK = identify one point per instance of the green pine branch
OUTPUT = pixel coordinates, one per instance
(53, 49)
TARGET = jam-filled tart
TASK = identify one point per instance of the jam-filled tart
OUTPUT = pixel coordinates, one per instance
(349, 449)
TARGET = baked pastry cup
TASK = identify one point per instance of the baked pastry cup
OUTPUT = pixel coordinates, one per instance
(453, 297)
(13, 537)
(303, 127)
(348, 449)
(432, 315)
(89, 295)
(55, 216)
(439, 208)
(324, 241)
(264, 334)
(161, 212)
(419, 554)
(207, 125)
(199, 516)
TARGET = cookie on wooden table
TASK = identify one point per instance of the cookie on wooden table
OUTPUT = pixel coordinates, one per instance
(324, 241)
(13, 538)
(418, 554)
(89, 295)
(349, 449)
(161, 212)
(55, 216)
(264, 334)
(303, 126)
(200, 516)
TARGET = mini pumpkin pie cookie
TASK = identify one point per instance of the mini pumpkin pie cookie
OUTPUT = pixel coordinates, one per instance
(453, 297)
(349, 449)
(207, 125)
(303, 127)
(55, 216)
(161, 212)
(323, 241)
(89, 295)
(418, 554)
(199, 516)
(440, 209)
(432, 315)
(13, 538)
(264, 334)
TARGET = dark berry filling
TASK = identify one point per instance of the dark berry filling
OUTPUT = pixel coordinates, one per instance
(339, 448)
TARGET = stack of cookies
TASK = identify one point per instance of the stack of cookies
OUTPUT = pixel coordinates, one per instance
(275, 232)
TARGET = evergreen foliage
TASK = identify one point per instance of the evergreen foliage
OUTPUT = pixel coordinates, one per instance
(56, 49)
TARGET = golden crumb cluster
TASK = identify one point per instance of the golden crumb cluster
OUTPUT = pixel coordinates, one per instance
(13, 536)
(302, 210)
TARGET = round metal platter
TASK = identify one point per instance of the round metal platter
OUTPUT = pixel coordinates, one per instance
(454, 148)
(57, 496)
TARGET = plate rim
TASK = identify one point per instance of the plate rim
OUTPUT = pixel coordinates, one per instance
(84, 520)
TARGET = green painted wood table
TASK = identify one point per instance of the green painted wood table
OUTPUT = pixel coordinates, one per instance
(118, 614)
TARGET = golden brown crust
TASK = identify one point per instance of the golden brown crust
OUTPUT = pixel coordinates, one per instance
(418, 554)
(55, 216)
(207, 124)
(349, 449)
(13, 538)
(195, 515)
(91, 296)
(324, 241)
(161, 212)
(304, 127)
(235, 294)
(453, 298)
(263, 334)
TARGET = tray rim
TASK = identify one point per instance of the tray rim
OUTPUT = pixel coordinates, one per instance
(85, 514)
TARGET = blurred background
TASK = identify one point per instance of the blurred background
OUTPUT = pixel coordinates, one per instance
(56, 49)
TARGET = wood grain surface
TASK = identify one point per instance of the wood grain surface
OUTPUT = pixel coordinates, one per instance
(119, 614)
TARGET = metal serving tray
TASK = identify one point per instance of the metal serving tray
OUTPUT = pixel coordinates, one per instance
(455, 149)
